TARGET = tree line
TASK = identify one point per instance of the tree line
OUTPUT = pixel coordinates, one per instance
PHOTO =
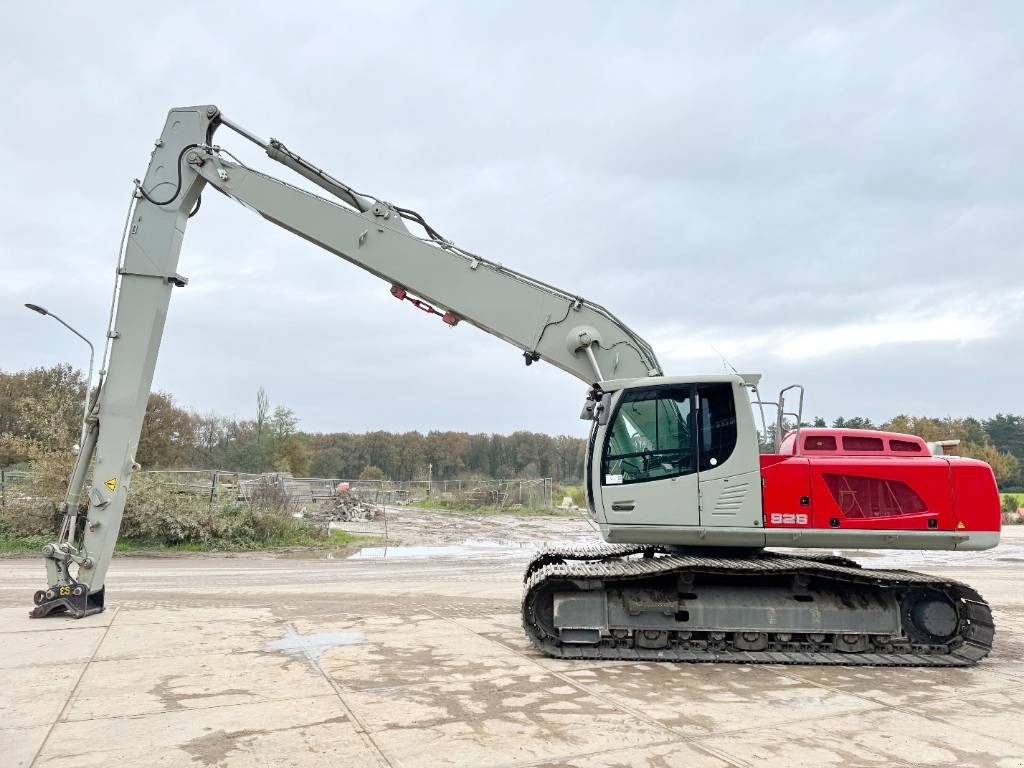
(998, 441)
(40, 412)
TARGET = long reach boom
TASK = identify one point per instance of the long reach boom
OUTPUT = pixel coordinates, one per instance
(545, 322)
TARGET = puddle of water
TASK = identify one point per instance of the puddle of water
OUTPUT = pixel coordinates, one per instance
(469, 549)
(313, 646)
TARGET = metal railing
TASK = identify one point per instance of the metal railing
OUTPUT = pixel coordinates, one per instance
(780, 424)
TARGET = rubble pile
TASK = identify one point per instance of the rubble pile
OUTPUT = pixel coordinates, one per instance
(346, 507)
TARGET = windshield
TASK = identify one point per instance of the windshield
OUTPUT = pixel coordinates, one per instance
(651, 437)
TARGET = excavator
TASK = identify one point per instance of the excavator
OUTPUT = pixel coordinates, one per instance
(693, 506)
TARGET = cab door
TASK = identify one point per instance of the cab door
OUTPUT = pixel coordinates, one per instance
(649, 458)
(730, 468)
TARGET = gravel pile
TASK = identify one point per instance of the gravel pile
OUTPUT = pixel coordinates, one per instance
(345, 507)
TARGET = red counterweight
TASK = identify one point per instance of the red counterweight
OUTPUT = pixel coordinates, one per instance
(870, 480)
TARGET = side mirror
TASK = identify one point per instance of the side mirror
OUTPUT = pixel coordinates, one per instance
(587, 414)
(597, 410)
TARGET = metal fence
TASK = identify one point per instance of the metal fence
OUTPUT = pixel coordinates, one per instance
(15, 484)
(217, 484)
(242, 486)
(537, 492)
(363, 510)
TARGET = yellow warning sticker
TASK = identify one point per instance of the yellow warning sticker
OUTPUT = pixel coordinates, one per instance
(111, 484)
(960, 526)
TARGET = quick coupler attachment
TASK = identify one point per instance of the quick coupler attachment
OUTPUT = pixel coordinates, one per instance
(71, 598)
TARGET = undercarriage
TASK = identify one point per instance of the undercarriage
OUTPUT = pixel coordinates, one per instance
(662, 604)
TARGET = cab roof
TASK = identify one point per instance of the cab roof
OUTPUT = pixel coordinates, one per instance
(748, 379)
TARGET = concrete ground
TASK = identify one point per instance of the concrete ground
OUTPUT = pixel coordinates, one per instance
(261, 661)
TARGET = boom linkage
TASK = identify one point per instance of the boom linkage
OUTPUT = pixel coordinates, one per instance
(545, 322)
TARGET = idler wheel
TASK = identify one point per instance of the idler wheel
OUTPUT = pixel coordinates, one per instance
(928, 616)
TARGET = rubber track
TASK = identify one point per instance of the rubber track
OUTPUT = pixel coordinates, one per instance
(609, 563)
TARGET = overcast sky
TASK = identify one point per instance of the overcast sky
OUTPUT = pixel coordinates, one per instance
(828, 194)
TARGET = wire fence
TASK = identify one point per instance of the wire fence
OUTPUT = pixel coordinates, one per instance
(15, 485)
(511, 493)
(219, 485)
(241, 486)
(355, 506)
(363, 506)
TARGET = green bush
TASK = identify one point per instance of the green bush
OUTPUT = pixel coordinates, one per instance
(20, 544)
(20, 519)
(30, 508)
(249, 527)
(372, 472)
(157, 517)
(575, 492)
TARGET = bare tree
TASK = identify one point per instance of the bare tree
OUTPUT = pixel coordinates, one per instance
(262, 408)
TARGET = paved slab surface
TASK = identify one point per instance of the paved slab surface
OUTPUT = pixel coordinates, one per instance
(412, 662)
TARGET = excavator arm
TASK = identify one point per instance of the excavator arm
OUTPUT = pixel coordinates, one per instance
(545, 322)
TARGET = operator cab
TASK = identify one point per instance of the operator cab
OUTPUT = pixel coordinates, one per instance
(670, 453)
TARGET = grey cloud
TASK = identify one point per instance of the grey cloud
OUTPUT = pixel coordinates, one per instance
(719, 169)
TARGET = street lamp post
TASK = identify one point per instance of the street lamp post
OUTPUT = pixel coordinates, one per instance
(92, 353)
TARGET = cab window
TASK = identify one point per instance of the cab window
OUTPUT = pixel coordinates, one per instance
(717, 415)
(652, 437)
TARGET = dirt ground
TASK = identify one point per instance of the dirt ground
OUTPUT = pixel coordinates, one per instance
(413, 526)
(415, 532)
(417, 659)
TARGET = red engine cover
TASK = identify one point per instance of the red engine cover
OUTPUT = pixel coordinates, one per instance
(864, 479)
